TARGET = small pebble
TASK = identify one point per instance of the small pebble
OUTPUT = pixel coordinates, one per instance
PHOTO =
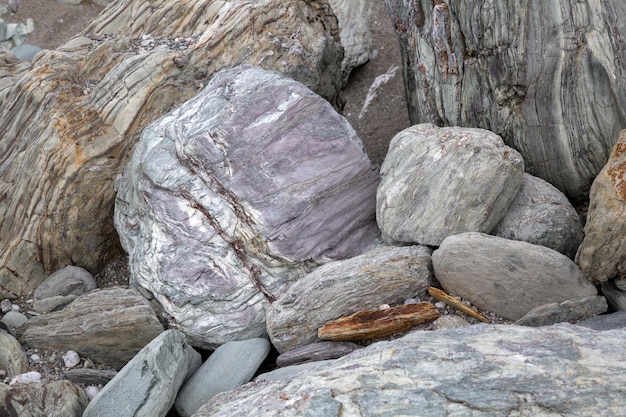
(15, 307)
(410, 301)
(71, 359)
(92, 391)
(384, 307)
(88, 363)
(440, 304)
(26, 378)
(35, 358)
(5, 305)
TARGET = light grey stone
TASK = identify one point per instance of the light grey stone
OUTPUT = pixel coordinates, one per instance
(90, 376)
(316, 352)
(437, 182)
(386, 275)
(479, 370)
(290, 371)
(71, 280)
(148, 384)
(448, 321)
(614, 296)
(611, 321)
(26, 51)
(355, 33)
(507, 277)
(230, 366)
(57, 398)
(236, 194)
(6, 305)
(542, 215)
(12, 357)
(569, 311)
(14, 319)
(49, 304)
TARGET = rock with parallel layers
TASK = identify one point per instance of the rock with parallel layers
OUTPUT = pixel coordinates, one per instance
(13, 360)
(236, 194)
(86, 103)
(507, 277)
(474, 370)
(355, 33)
(437, 182)
(57, 398)
(549, 76)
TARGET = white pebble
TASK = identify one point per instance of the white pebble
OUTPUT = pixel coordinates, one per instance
(440, 304)
(6, 305)
(35, 358)
(92, 391)
(410, 301)
(15, 307)
(71, 359)
(26, 378)
(384, 306)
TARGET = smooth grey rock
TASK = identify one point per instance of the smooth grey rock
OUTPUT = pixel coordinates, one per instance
(569, 311)
(230, 366)
(12, 357)
(26, 51)
(290, 371)
(109, 326)
(355, 33)
(56, 398)
(237, 193)
(90, 376)
(611, 321)
(387, 275)
(315, 352)
(507, 277)
(147, 385)
(614, 296)
(602, 254)
(620, 283)
(549, 76)
(449, 321)
(69, 280)
(52, 303)
(542, 215)
(437, 182)
(479, 370)
(14, 319)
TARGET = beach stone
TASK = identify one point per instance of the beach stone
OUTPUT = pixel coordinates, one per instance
(507, 277)
(14, 319)
(614, 296)
(109, 326)
(147, 385)
(542, 215)
(603, 322)
(56, 398)
(315, 352)
(602, 254)
(6, 305)
(437, 182)
(89, 376)
(386, 275)
(230, 366)
(71, 280)
(355, 33)
(26, 51)
(26, 378)
(515, 370)
(12, 357)
(620, 283)
(287, 372)
(448, 321)
(570, 311)
(52, 303)
(71, 359)
(236, 194)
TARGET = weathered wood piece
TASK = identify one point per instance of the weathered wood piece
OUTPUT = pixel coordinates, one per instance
(70, 119)
(440, 295)
(375, 324)
(549, 76)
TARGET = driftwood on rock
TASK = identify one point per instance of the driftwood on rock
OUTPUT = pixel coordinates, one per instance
(549, 76)
(70, 120)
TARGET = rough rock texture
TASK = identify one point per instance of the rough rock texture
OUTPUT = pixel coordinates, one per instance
(237, 193)
(437, 182)
(470, 371)
(548, 76)
(57, 398)
(614, 296)
(507, 277)
(109, 326)
(569, 311)
(12, 358)
(540, 214)
(602, 254)
(86, 103)
(611, 321)
(315, 352)
(386, 275)
(71, 280)
(147, 385)
(355, 33)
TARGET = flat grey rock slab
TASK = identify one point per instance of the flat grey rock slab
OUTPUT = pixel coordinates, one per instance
(90, 376)
(56, 398)
(354, 32)
(71, 280)
(570, 311)
(315, 352)
(55, 302)
(148, 384)
(14, 319)
(437, 182)
(290, 371)
(490, 370)
(230, 366)
(507, 277)
(611, 321)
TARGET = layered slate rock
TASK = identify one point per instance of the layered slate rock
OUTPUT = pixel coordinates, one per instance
(474, 370)
(387, 275)
(437, 182)
(355, 33)
(57, 398)
(13, 360)
(86, 103)
(148, 384)
(570, 311)
(109, 326)
(602, 254)
(71, 280)
(540, 214)
(548, 76)
(237, 193)
(507, 277)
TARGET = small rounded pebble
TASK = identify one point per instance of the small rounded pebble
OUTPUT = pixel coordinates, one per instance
(5, 305)
(440, 304)
(15, 307)
(410, 301)
(88, 363)
(384, 307)
(92, 391)
(26, 378)
(35, 358)
(71, 359)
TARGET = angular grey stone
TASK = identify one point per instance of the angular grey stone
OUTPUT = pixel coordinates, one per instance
(614, 296)
(51, 303)
(541, 214)
(26, 51)
(69, 280)
(548, 76)
(230, 366)
(507, 277)
(56, 398)
(109, 326)
(14, 319)
(611, 321)
(437, 182)
(147, 385)
(355, 33)
(569, 311)
(89, 376)
(387, 275)
(316, 352)
(237, 193)
(449, 321)
(290, 371)
(479, 370)
(12, 357)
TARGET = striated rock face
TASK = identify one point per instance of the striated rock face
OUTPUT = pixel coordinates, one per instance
(236, 194)
(355, 34)
(507, 277)
(474, 370)
(86, 103)
(547, 76)
(438, 182)
(602, 254)
(57, 398)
